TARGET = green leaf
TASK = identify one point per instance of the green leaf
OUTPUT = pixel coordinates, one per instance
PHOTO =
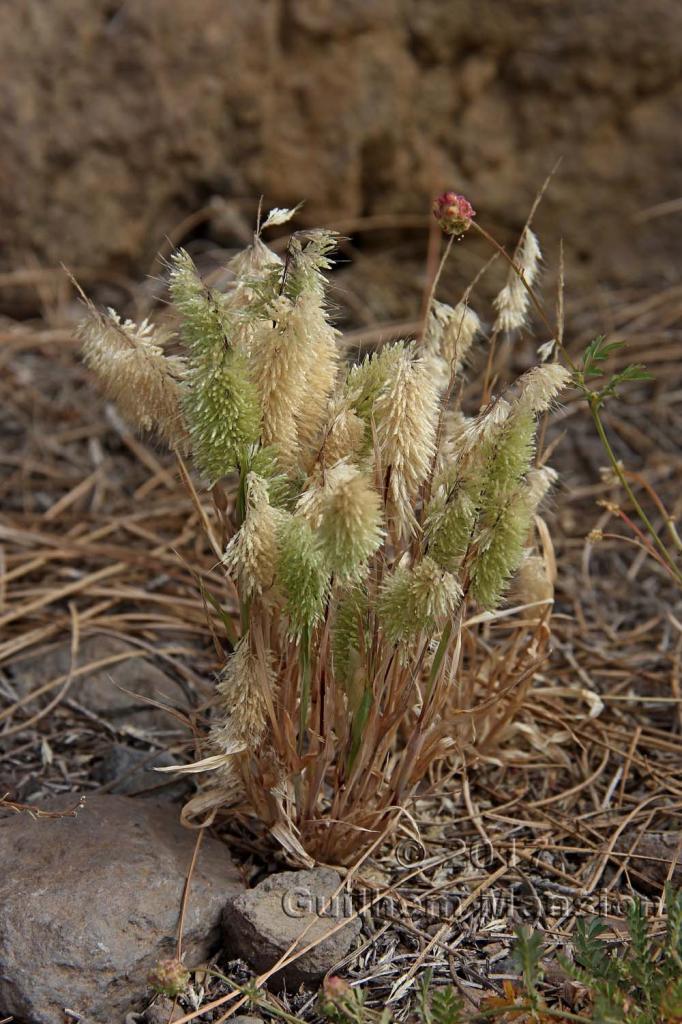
(446, 1006)
(591, 951)
(673, 936)
(224, 616)
(423, 1007)
(358, 727)
(527, 953)
(597, 352)
(438, 1005)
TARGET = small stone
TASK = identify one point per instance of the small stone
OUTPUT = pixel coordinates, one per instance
(89, 905)
(259, 925)
(126, 771)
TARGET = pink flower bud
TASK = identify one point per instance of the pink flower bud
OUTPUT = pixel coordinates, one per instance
(453, 212)
(336, 988)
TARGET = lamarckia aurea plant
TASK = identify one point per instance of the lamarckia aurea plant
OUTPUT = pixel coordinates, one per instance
(374, 531)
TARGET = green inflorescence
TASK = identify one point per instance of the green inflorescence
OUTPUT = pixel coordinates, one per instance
(500, 548)
(350, 632)
(302, 574)
(450, 525)
(417, 599)
(221, 402)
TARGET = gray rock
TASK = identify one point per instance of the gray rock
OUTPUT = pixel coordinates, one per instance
(89, 904)
(261, 924)
(126, 771)
(99, 689)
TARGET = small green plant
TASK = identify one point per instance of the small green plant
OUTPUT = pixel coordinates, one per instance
(370, 519)
(438, 1004)
(341, 1003)
(640, 983)
(584, 378)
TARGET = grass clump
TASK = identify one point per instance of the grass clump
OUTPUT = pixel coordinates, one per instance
(371, 521)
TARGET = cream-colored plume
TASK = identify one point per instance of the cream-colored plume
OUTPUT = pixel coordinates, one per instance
(450, 333)
(241, 699)
(513, 300)
(343, 434)
(533, 583)
(251, 555)
(294, 362)
(541, 385)
(320, 374)
(406, 413)
(130, 362)
(346, 510)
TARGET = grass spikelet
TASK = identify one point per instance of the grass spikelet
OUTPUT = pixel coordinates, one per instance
(509, 454)
(540, 482)
(309, 256)
(207, 327)
(278, 358)
(251, 556)
(343, 435)
(449, 526)
(533, 583)
(294, 368)
(221, 402)
(251, 266)
(349, 638)
(450, 333)
(513, 300)
(406, 413)
(541, 385)
(320, 373)
(365, 381)
(350, 528)
(478, 432)
(500, 549)
(302, 574)
(135, 372)
(452, 440)
(417, 599)
(242, 708)
(222, 410)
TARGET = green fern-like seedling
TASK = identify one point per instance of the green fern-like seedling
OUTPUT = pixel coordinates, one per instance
(446, 1006)
(643, 983)
(591, 952)
(441, 1005)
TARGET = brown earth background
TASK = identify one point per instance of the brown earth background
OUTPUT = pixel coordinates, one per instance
(118, 119)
